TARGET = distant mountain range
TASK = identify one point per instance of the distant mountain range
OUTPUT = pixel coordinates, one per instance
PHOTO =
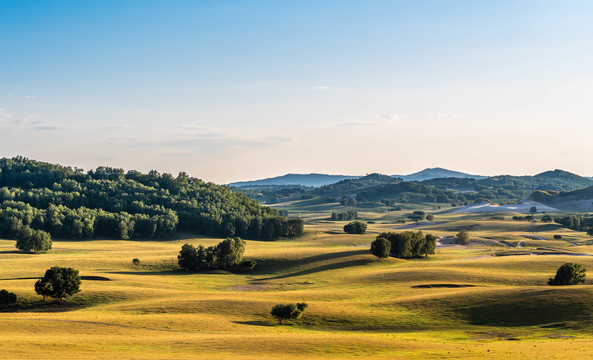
(317, 180)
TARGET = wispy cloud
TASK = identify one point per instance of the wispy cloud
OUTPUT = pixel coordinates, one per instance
(193, 139)
(376, 120)
(13, 122)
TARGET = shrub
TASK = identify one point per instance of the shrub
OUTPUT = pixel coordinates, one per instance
(569, 274)
(463, 237)
(247, 266)
(557, 237)
(58, 283)
(136, 261)
(381, 248)
(429, 217)
(7, 298)
(355, 227)
(283, 312)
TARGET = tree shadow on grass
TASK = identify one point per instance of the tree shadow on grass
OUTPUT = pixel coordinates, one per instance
(335, 266)
(271, 266)
(255, 323)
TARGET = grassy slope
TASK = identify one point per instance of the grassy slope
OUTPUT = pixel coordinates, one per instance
(357, 306)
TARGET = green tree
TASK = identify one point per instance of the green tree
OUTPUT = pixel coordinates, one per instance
(569, 274)
(58, 283)
(283, 312)
(7, 298)
(381, 248)
(229, 253)
(429, 217)
(355, 227)
(557, 237)
(463, 237)
(35, 241)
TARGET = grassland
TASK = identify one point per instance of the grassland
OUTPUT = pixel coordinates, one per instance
(487, 300)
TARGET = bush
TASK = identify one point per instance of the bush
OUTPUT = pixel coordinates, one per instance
(136, 261)
(557, 237)
(58, 283)
(463, 237)
(247, 266)
(355, 227)
(283, 312)
(569, 274)
(429, 217)
(7, 298)
(381, 248)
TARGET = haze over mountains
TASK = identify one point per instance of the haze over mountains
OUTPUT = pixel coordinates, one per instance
(317, 180)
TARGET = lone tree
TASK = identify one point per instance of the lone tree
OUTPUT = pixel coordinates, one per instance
(7, 298)
(381, 248)
(557, 237)
(283, 312)
(429, 217)
(569, 274)
(58, 283)
(355, 227)
(463, 237)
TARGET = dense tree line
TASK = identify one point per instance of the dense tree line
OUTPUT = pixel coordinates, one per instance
(576, 223)
(407, 244)
(69, 203)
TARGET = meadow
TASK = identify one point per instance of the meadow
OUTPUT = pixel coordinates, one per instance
(486, 300)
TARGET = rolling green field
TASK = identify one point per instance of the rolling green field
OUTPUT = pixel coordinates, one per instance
(487, 300)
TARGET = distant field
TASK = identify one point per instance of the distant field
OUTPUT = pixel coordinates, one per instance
(464, 302)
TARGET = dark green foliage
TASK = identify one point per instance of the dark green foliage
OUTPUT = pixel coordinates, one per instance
(136, 261)
(547, 219)
(569, 274)
(355, 227)
(68, 203)
(283, 312)
(409, 244)
(381, 248)
(34, 241)
(347, 215)
(557, 237)
(58, 282)
(247, 266)
(7, 298)
(429, 217)
(576, 223)
(463, 237)
(227, 255)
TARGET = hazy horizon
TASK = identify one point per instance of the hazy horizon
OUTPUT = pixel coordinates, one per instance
(236, 91)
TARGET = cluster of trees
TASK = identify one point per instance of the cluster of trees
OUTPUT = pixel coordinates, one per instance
(283, 312)
(577, 223)
(405, 245)
(69, 203)
(27, 239)
(227, 255)
(344, 216)
(355, 227)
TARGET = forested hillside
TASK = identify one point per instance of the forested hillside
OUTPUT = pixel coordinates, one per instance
(69, 203)
(507, 187)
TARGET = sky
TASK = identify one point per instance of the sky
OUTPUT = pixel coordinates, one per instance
(241, 90)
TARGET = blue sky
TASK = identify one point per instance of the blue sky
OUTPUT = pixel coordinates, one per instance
(236, 90)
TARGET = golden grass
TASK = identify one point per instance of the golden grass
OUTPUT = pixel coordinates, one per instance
(358, 306)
